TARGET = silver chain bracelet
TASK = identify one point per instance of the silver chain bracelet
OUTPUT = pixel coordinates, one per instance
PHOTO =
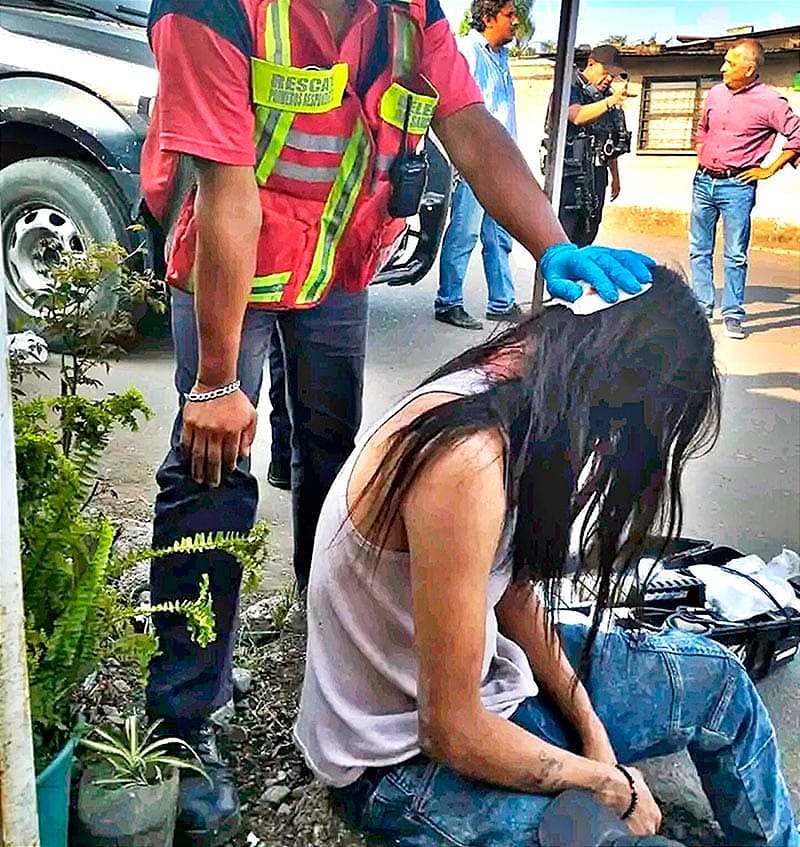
(204, 396)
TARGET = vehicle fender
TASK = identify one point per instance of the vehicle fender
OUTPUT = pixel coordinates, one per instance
(79, 115)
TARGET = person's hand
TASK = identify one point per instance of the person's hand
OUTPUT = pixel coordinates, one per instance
(646, 817)
(616, 187)
(216, 433)
(606, 269)
(615, 792)
(617, 93)
(755, 174)
(616, 96)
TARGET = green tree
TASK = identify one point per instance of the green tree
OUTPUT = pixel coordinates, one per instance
(526, 27)
(464, 26)
(617, 40)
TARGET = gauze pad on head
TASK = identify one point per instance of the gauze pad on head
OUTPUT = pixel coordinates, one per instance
(590, 301)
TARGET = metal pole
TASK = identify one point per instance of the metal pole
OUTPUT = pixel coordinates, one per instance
(562, 79)
(19, 826)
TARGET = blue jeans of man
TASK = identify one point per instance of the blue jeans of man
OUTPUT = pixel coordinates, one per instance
(733, 201)
(468, 221)
(655, 694)
(324, 351)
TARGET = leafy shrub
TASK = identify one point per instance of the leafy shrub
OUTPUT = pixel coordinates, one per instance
(74, 615)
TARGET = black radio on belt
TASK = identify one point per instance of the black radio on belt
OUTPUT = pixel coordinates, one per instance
(408, 176)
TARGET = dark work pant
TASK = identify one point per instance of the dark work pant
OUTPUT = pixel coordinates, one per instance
(324, 351)
(581, 228)
(279, 423)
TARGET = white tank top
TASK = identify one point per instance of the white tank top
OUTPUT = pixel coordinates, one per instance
(358, 706)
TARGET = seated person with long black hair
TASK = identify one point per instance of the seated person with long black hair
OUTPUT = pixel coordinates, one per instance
(439, 702)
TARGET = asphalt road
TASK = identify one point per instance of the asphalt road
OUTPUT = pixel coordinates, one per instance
(743, 494)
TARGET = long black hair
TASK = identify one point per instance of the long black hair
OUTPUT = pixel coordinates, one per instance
(599, 416)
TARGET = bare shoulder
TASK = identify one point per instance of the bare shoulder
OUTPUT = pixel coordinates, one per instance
(468, 475)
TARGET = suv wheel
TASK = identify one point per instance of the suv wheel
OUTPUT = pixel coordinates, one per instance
(51, 205)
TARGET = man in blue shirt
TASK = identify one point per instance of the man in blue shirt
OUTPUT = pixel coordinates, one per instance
(493, 23)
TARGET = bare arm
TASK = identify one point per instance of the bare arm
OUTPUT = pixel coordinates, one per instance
(453, 518)
(702, 130)
(523, 619)
(616, 186)
(228, 222)
(584, 114)
(492, 164)
(228, 214)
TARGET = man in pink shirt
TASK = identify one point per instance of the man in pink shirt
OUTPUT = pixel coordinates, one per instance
(741, 118)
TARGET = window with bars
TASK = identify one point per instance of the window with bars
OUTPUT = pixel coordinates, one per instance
(671, 109)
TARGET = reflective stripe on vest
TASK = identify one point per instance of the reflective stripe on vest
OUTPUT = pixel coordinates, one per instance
(269, 289)
(272, 125)
(336, 214)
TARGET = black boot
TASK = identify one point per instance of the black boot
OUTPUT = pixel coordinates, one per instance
(208, 814)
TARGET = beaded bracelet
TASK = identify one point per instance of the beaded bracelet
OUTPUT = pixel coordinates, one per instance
(204, 396)
(634, 796)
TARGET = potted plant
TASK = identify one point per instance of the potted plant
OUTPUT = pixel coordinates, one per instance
(128, 794)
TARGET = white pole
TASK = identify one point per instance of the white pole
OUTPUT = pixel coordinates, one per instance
(19, 826)
(562, 80)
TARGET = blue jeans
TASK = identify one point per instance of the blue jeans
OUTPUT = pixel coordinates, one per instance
(324, 351)
(734, 201)
(468, 221)
(656, 694)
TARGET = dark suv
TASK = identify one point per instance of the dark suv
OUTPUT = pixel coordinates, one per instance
(77, 81)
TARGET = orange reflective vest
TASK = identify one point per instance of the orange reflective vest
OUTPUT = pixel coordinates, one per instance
(323, 152)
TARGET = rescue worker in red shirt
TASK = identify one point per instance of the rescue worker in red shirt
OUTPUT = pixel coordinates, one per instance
(297, 118)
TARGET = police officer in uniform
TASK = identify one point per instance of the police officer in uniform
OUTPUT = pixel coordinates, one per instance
(596, 137)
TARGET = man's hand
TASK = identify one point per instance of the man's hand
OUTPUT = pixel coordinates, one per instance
(216, 433)
(755, 174)
(617, 95)
(606, 269)
(616, 187)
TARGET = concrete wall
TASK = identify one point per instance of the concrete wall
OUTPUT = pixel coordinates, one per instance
(656, 188)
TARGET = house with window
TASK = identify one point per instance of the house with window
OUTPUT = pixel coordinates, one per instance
(668, 84)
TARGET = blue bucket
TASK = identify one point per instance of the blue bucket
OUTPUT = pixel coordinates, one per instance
(52, 797)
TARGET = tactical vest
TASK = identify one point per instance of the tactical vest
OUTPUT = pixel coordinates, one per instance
(324, 146)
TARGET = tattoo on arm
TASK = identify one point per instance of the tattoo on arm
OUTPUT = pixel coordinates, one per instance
(548, 777)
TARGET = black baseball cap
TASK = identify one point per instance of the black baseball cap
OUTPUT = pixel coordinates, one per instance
(610, 58)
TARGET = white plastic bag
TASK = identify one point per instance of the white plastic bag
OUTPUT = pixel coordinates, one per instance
(732, 595)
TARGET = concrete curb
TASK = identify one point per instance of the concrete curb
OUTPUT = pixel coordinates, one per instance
(767, 234)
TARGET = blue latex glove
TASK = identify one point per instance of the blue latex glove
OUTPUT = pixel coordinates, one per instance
(605, 268)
